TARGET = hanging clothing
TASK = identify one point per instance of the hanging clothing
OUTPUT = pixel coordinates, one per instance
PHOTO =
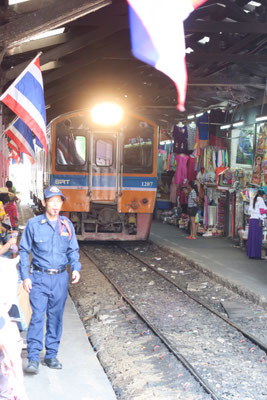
(160, 164)
(173, 192)
(181, 171)
(191, 133)
(216, 118)
(180, 137)
(254, 242)
(191, 172)
(203, 129)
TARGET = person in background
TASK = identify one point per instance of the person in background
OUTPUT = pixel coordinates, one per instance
(257, 214)
(11, 242)
(11, 188)
(12, 212)
(52, 241)
(11, 373)
(192, 208)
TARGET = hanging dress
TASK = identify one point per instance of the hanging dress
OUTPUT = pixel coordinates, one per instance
(181, 170)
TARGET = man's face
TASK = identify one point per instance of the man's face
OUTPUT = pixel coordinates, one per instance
(53, 206)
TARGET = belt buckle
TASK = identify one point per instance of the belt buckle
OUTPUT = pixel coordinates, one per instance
(52, 271)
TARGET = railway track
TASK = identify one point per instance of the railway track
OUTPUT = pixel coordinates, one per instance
(154, 329)
(240, 329)
(121, 260)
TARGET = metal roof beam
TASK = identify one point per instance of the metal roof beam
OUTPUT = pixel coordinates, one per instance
(66, 48)
(226, 27)
(33, 45)
(50, 17)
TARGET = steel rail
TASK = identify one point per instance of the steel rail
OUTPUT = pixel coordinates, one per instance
(167, 343)
(249, 336)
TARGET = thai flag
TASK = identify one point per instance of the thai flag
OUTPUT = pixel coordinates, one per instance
(22, 136)
(25, 97)
(15, 153)
(157, 36)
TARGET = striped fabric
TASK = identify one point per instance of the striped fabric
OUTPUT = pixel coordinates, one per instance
(22, 136)
(25, 97)
(157, 36)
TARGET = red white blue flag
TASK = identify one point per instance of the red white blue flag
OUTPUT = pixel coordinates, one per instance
(15, 153)
(157, 36)
(22, 136)
(25, 97)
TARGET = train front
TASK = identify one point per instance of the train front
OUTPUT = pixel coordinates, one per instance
(105, 163)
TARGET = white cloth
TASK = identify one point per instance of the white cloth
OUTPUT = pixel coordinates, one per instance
(255, 212)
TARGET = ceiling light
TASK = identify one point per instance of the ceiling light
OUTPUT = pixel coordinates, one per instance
(225, 126)
(53, 32)
(189, 50)
(190, 117)
(107, 114)
(166, 141)
(204, 40)
(239, 123)
(12, 2)
(199, 115)
(255, 3)
(261, 118)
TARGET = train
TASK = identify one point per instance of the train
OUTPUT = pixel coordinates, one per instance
(106, 170)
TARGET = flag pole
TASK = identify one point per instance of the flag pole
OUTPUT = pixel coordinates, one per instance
(20, 75)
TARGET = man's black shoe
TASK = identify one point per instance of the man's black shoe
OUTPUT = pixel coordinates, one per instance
(32, 367)
(53, 363)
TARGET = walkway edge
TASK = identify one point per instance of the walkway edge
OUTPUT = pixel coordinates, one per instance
(234, 286)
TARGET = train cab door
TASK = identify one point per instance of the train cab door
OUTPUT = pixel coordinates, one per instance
(103, 174)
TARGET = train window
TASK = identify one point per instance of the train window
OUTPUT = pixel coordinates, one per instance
(138, 154)
(104, 153)
(71, 150)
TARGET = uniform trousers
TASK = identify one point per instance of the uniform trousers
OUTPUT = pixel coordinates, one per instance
(47, 298)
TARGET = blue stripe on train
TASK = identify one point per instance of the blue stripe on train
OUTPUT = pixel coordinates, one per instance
(103, 181)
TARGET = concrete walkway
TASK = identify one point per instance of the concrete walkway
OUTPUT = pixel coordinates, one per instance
(82, 377)
(220, 258)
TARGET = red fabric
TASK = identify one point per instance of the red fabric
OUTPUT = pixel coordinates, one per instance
(191, 173)
(219, 171)
(217, 141)
(11, 210)
(263, 211)
(197, 3)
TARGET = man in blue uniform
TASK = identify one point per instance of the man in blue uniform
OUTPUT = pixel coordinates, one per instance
(53, 244)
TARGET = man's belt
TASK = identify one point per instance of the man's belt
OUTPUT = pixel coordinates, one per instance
(48, 271)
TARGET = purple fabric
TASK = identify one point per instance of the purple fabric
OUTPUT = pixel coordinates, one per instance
(180, 137)
(254, 238)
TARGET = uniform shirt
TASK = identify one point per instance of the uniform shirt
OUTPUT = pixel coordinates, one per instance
(49, 248)
(255, 212)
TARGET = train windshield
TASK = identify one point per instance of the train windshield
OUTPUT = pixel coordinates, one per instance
(71, 150)
(104, 153)
(138, 148)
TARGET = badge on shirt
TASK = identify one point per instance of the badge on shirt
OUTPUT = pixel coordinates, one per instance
(64, 234)
(43, 221)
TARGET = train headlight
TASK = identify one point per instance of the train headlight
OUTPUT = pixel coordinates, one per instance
(107, 114)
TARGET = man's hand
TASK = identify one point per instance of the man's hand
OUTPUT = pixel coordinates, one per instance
(27, 285)
(75, 276)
